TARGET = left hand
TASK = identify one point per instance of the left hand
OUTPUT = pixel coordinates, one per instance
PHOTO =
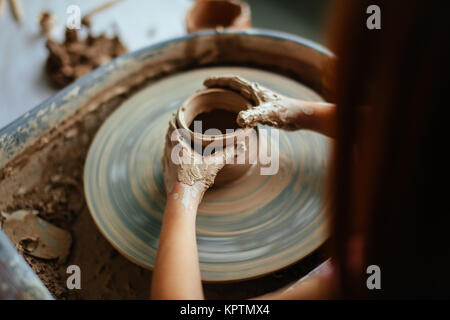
(183, 165)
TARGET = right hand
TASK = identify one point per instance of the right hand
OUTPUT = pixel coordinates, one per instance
(270, 107)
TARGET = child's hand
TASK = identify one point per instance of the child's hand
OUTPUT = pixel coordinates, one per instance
(270, 108)
(184, 165)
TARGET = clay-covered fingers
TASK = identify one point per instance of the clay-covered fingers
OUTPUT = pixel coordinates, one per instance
(249, 117)
(174, 135)
(235, 83)
(265, 114)
(177, 145)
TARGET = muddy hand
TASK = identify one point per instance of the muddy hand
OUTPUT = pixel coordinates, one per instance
(270, 107)
(182, 164)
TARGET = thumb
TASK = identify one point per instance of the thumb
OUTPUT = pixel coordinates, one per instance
(251, 117)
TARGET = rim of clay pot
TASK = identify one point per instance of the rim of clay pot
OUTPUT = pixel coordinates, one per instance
(205, 101)
(199, 15)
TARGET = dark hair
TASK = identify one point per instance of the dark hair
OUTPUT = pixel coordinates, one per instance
(387, 184)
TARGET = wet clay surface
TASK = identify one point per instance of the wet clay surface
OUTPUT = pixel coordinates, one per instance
(35, 236)
(105, 274)
(218, 14)
(76, 57)
(47, 177)
(57, 194)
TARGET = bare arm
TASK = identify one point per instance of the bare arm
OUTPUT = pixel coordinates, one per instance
(315, 116)
(187, 176)
(277, 110)
(177, 271)
(318, 284)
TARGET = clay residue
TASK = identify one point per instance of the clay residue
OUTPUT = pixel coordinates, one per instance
(218, 14)
(76, 57)
(270, 108)
(41, 177)
(189, 167)
(47, 180)
(35, 236)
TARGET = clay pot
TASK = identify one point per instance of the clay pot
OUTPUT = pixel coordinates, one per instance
(213, 14)
(205, 101)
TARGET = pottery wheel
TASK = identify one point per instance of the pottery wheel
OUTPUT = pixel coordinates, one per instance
(254, 226)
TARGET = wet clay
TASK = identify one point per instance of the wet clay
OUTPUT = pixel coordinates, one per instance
(35, 236)
(187, 166)
(47, 176)
(203, 105)
(212, 14)
(230, 218)
(76, 57)
(217, 119)
(270, 108)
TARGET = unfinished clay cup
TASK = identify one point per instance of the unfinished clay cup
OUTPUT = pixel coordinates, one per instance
(206, 102)
(213, 14)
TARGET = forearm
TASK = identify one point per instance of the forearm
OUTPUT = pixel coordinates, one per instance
(177, 271)
(316, 116)
(318, 284)
(277, 110)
